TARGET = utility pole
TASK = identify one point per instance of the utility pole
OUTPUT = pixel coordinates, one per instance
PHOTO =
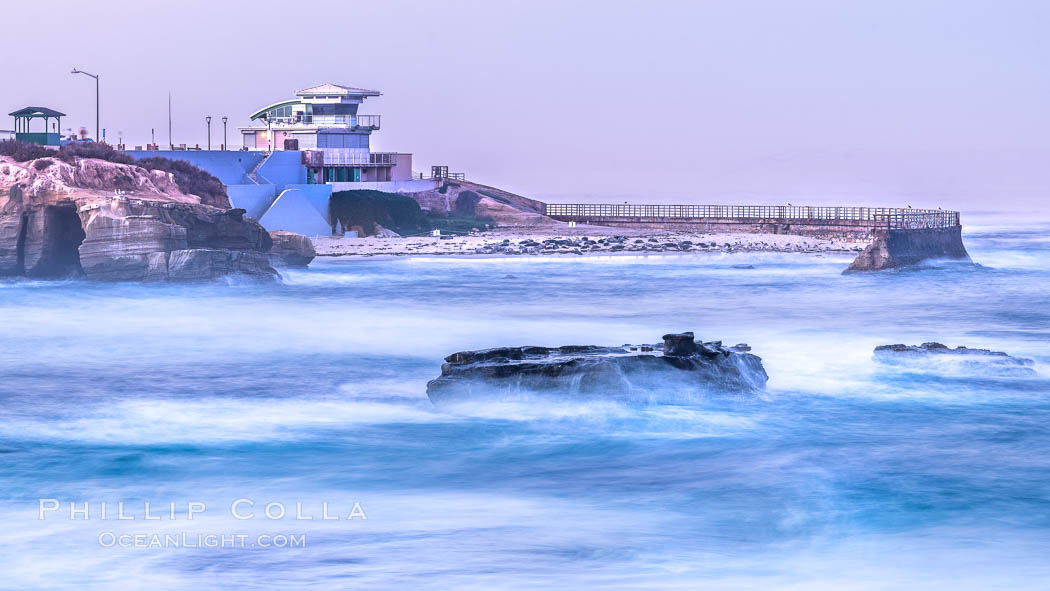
(98, 138)
(208, 121)
(224, 144)
(171, 144)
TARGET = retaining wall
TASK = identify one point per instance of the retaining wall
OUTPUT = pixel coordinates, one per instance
(891, 249)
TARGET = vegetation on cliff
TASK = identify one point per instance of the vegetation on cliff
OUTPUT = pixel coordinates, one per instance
(189, 178)
(363, 210)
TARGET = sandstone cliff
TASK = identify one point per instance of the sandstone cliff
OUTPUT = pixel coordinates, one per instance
(291, 249)
(112, 221)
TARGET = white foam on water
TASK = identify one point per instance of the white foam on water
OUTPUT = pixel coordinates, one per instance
(150, 422)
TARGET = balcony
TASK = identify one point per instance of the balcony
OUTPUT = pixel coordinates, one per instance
(354, 157)
(354, 122)
(384, 158)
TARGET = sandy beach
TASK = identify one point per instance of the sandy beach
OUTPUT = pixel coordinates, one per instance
(581, 240)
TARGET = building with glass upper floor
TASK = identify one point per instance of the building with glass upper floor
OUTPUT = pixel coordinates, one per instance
(323, 122)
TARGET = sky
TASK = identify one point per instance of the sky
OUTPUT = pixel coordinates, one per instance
(918, 102)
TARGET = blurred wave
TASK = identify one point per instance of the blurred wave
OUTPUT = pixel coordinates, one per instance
(845, 472)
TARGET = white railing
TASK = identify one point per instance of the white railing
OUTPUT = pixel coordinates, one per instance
(347, 121)
(891, 217)
(346, 156)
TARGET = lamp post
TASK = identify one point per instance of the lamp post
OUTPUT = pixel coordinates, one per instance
(98, 138)
(224, 144)
(208, 120)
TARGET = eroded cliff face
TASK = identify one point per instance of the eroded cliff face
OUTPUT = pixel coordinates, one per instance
(291, 249)
(134, 240)
(50, 228)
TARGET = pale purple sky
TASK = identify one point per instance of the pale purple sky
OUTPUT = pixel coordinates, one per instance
(923, 102)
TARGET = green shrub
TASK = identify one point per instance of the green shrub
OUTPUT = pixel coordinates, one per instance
(23, 151)
(190, 179)
(70, 152)
(365, 208)
(43, 163)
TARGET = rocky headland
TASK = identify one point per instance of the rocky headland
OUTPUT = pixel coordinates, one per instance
(69, 216)
(679, 367)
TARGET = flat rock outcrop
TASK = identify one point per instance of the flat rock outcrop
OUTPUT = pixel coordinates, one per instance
(680, 367)
(290, 249)
(937, 356)
(49, 228)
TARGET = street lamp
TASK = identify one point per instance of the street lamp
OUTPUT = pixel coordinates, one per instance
(98, 137)
(224, 144)
(208, 120)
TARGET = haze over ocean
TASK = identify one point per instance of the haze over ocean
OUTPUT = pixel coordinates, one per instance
(939, 103)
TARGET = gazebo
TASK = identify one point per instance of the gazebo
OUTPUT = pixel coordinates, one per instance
(23, 118)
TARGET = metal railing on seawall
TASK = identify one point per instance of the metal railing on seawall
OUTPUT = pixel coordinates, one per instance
(878, 217)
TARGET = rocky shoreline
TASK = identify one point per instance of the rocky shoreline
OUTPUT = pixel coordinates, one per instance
(112, 221)
(597, 240)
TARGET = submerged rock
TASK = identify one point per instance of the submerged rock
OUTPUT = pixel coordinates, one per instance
(681, 366)
(938, 356)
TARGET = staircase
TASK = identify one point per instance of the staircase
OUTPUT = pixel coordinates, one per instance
(254, 174)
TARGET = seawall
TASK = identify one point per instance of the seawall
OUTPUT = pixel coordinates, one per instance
(853, 230)
(892, 248)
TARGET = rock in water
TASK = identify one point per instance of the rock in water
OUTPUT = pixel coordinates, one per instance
(291, 249)
(680, 367)
(941, 358)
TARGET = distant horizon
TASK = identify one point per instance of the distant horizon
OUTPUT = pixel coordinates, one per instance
(890, 103)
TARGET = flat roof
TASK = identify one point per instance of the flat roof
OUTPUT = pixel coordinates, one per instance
(337, 89)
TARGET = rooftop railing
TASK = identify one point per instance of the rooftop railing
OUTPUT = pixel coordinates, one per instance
(888, 217)
(349, 121)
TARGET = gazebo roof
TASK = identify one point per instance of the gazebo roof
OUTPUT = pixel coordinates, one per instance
(36, 112)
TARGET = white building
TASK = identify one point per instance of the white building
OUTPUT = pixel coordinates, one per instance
(323, 122)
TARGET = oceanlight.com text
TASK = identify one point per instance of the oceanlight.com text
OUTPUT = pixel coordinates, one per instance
(109, 539)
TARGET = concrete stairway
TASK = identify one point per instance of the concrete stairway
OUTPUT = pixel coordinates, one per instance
(254, 174)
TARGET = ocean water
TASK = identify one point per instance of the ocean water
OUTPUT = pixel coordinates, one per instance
(844, 474)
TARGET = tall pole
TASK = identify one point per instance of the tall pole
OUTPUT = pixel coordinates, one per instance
(208, 120)
(224, 144)
(170, 143)
(98, 133)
